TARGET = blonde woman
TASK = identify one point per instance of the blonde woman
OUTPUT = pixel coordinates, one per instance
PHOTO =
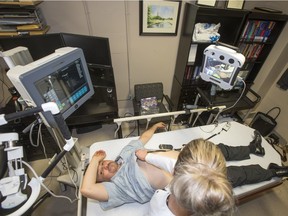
(202, 185)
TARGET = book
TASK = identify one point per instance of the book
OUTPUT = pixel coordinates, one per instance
(244, 34)
(258, 51)
(256, 30)
(251, 31)
(17, 21)
(268, 31)
(29, 27)
(253, 51)
(7, 28)
(192, 53)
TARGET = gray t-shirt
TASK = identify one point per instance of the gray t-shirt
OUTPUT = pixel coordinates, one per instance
(129, 183)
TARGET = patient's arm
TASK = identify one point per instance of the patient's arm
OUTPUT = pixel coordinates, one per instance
(146, 136)
(90, 188)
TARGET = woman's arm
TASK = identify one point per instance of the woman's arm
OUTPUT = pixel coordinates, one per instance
(162, 162)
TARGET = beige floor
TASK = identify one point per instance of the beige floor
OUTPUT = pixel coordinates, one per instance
(272, 202)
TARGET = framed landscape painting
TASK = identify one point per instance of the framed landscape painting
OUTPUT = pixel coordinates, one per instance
(159, 18)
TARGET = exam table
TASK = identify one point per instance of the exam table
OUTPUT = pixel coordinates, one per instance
(237, 134)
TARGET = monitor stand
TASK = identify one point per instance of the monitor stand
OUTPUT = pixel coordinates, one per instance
(76, 158)
(76, 165)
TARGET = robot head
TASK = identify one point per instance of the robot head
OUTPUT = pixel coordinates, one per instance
(221, 66)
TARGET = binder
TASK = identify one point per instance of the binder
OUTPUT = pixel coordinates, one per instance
(17, 33)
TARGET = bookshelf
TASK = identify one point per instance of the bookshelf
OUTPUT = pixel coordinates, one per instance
(253, 32)
(190, 52)
(21, 18)
(259, 34)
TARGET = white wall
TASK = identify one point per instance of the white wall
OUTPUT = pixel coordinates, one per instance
(271, 71)
(136, 59)
(98, 18)
(277, 97)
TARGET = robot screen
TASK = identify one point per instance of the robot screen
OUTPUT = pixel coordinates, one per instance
(221, 66)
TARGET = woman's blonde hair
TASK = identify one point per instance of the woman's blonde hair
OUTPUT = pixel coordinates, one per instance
(200, 182)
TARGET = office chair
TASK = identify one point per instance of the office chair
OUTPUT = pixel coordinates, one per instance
(154, 91)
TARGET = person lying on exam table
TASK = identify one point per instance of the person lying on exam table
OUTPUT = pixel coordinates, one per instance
(127, 179)
(200, 185)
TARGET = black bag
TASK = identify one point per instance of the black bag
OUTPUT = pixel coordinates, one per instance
(265, 123)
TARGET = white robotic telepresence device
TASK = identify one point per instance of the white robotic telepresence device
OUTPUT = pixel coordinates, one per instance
(221, 66)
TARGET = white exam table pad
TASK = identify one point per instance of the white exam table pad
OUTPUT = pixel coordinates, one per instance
(238, 134)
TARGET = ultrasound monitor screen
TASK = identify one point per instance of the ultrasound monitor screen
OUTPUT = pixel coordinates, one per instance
(39, 46)
(96, 49)
(65, 86)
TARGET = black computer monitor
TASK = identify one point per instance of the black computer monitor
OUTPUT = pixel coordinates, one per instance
(39, 46)
(96, 49)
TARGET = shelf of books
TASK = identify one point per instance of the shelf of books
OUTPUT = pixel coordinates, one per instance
(191, 74)
(257, 31)
(254, 37)
(16, 21)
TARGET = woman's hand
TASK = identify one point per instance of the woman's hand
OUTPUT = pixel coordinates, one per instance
(141, 154)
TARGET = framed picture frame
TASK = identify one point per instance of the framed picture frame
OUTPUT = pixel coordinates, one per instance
(159, 18)
(211, 3)
(234, 4)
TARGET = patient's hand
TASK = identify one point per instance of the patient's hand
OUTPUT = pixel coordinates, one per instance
(160, 125)
(141, 154)
(100, 155)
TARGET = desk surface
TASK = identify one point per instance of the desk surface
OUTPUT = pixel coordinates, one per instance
(101, 107)
(228, 99)
(238, 134)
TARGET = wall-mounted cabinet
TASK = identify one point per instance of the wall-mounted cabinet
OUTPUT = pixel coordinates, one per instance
(236, 29)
